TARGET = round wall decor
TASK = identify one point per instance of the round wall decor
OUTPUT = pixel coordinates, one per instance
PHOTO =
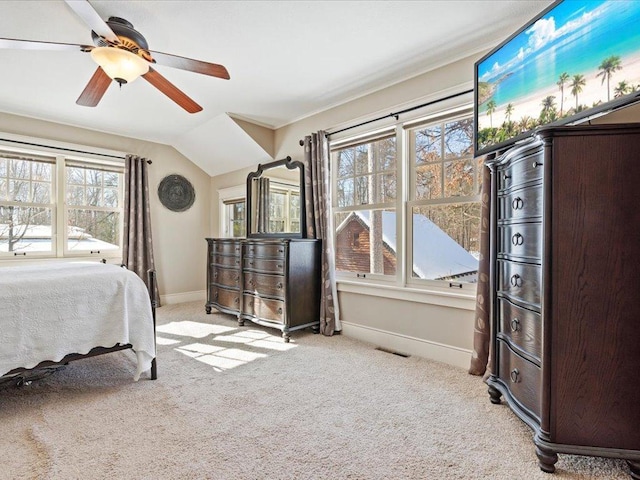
(176, 193)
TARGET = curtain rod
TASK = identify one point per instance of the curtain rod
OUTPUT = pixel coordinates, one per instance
(65, 149)
(397, 114)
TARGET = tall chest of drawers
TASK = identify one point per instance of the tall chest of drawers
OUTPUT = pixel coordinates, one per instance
(565, 311)
(273, 282)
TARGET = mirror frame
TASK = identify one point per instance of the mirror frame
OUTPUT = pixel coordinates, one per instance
(291, 165)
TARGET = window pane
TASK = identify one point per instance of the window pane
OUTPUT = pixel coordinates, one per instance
(3, 189)
(75, 175)
(346, 162)
(25, 229)
(41, 192)
(386, 187)
(94, 177)
(446, 242)
(458, 140)
(93, 230)
(41, 171)
(75, 195)
(111, 179)
(345, 192)
(428, 182)
(4, 169)
(111, 197)
(428, 145)
(362, 190)
(362, 159)
(386, 154)
(366, 242)
(19, 190)
(20, 169)
(94, 196)
(459, 177)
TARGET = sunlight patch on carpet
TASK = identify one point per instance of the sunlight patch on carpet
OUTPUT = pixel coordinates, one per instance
(193, 329)
(166, 341)
(219, 357)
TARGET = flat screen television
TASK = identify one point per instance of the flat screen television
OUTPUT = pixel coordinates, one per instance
(576, 60)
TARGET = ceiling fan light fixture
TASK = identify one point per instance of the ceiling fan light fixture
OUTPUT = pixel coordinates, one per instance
(120, 65)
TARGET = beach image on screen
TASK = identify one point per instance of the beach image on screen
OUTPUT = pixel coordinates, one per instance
(579, 55)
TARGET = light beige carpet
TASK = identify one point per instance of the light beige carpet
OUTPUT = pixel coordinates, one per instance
(238, 403)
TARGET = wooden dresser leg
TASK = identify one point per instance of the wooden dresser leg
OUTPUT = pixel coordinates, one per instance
(634, 465)
(546, 459)
(494, 395)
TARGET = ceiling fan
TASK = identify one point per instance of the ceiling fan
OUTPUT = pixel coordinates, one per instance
(122, 55)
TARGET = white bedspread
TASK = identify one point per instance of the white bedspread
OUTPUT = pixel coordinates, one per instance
(49, 311)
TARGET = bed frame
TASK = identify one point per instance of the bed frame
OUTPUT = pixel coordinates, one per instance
(24, 376)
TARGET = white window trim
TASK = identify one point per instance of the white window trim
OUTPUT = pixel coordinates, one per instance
(402, 286)
(23, 144)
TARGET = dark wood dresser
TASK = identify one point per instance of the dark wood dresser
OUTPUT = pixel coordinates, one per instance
(269, 281)
(565, 304)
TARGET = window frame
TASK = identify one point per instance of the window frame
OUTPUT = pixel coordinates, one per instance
(234, 194)
(60, 153)
(449, 110)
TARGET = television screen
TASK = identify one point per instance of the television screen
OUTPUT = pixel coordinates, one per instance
(576, 59)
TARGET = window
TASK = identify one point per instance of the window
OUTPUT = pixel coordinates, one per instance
(55, 206)
(284, 208)
(235, 218)
(407, 203)
(365, 209)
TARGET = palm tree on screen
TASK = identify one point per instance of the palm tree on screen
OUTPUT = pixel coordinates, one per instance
(564, 76)
(577, 82)
(491, 107)
(607, 67)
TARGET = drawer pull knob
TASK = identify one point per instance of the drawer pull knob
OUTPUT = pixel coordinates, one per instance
(236, 300)
(515, 324)
(516, 280)
(251, 263)
(280, 310)
(251, 303)
(251, 283)
(237, 279)
(517, 239)
(215, 295)
(537, 164)
(506, 176)
(278, 266)
(517, 203)
(279, 285)
(515, 375)
(215, 274)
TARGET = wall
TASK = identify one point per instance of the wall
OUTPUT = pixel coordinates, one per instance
(179, 246)
(432, 325)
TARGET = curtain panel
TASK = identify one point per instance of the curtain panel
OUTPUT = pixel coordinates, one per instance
(137, 246)
(317, 185)
(481, 357)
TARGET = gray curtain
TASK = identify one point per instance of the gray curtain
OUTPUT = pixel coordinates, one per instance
(263, 188)
(481, 359)
(137, 253)
(317, 185)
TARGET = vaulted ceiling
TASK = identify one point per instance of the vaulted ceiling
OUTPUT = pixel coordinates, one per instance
(287, 60)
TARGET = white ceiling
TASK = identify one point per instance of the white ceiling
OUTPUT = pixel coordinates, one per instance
(287, 60)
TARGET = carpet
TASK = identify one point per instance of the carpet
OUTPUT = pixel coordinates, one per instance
(238, 403)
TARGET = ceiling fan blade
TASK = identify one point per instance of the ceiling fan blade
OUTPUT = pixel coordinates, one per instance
(191, 65)
(93, 92)
(171, 91)
(87, 13)
(35, 45)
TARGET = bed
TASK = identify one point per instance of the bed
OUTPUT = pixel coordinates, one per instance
(55, 313)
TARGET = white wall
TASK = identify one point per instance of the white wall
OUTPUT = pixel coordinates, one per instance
(179, 245)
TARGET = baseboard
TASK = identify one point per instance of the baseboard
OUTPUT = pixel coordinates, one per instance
(405, 344)
(172, 298)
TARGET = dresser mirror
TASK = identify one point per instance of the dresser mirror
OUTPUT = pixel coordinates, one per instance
(275, 200)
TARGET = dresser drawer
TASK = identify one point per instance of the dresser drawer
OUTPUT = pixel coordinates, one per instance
(265, 265)
(264, 308)
(523, 240)
(267, 285)
(227, 248)
(525, 169)
(519, 281)
(521, 327)
(225, 260)
(225, 298)
(227, 277)
(520, 204)
(523, 378)
(265, 249)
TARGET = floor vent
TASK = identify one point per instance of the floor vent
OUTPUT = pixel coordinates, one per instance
(400, 354)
